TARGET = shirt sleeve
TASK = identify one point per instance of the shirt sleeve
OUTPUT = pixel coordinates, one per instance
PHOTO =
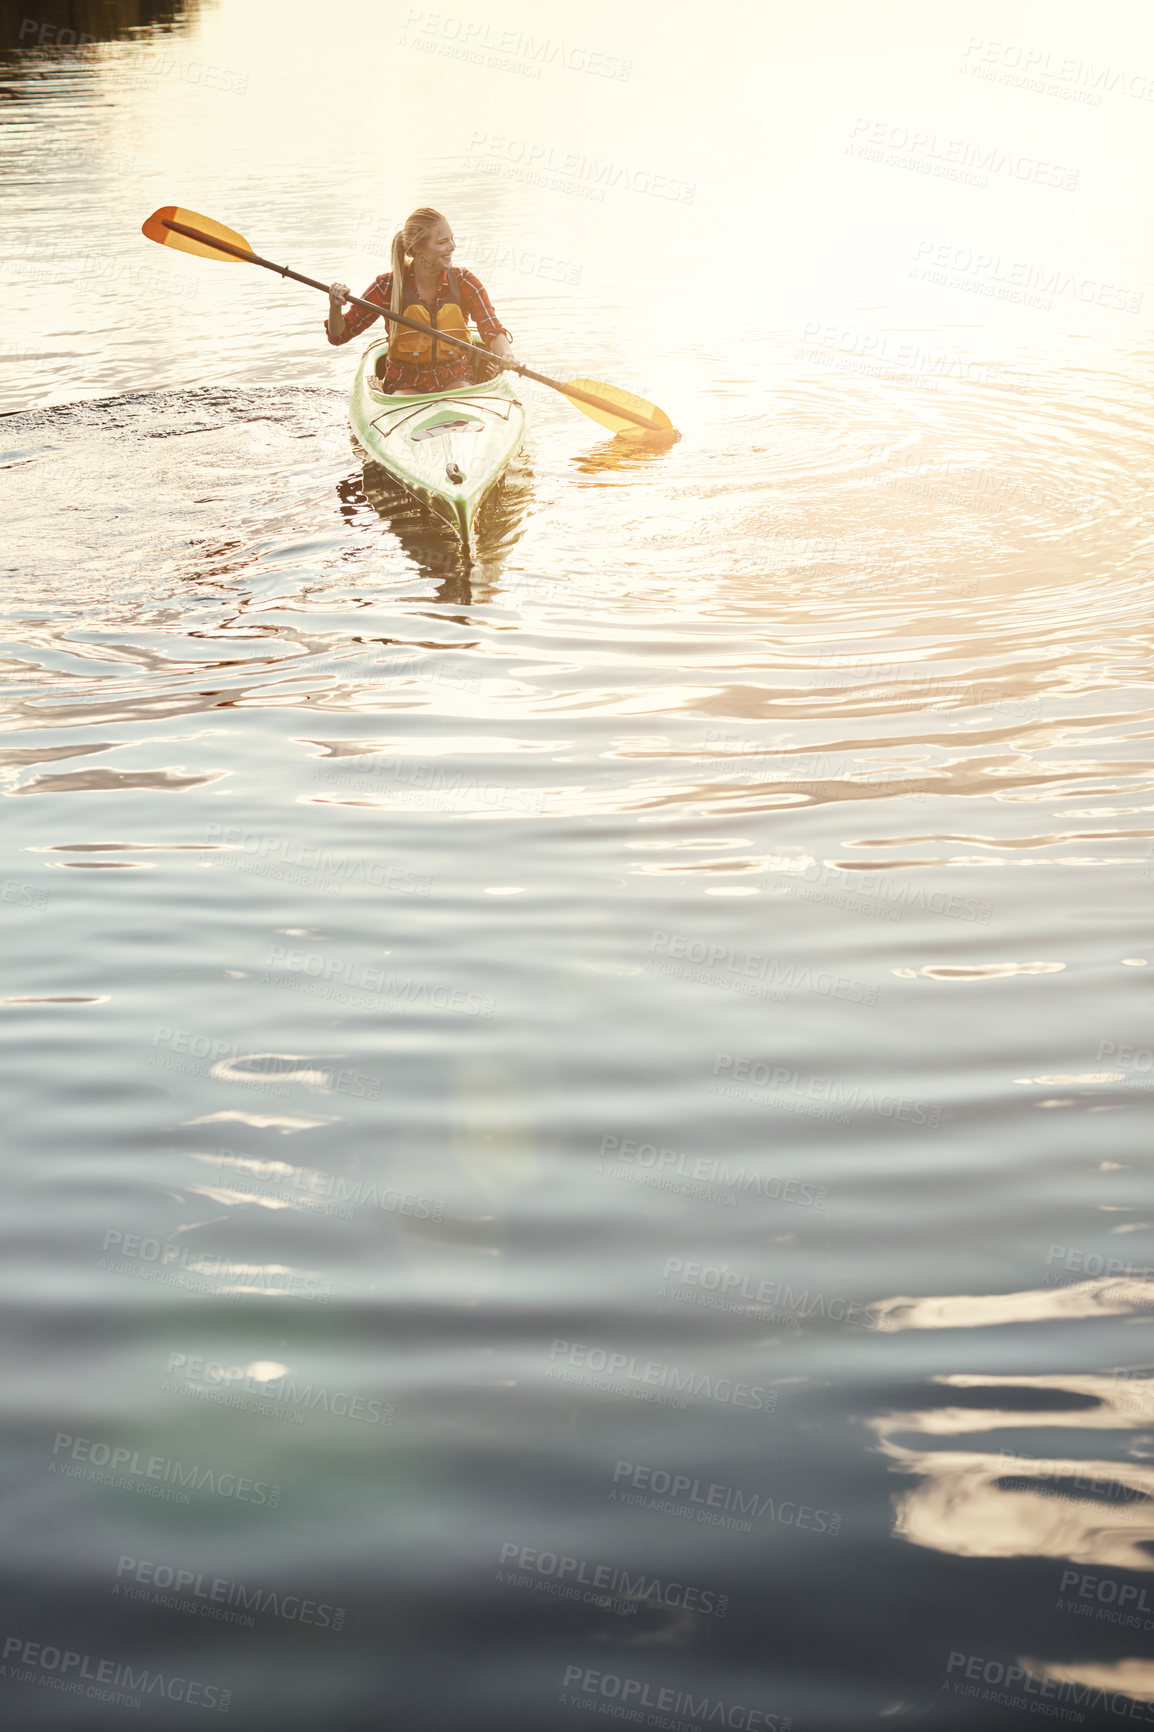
(356, 319)
(479, 307)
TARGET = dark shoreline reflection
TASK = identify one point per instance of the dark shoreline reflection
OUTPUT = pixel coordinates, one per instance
(65, 26)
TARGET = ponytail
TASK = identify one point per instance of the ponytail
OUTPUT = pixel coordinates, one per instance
(397, 265)
(405, 243)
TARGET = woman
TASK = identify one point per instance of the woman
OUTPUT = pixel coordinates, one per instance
(430, 290)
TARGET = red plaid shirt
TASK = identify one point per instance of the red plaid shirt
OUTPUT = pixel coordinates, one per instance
(457, 369)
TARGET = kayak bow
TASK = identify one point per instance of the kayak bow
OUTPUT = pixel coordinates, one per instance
(448, 449)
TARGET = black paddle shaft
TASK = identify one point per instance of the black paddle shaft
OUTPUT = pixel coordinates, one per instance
(411, 324)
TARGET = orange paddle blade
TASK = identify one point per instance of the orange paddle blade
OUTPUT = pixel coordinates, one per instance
(155, 229)
(611, 394)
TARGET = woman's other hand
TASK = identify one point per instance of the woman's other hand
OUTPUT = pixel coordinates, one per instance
(502, 348)
(335, 323)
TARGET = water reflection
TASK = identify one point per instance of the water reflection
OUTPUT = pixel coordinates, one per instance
(430, 545)
(1123, 1678)
(1110, 1296)
(979, 1501)
(634, 450)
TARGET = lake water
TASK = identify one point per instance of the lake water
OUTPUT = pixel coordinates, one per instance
(584, 1140)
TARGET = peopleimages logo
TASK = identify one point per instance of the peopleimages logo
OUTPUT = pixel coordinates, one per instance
(1015, 63)
(209, 1379)
(332, 977)
(324, 1193)
(609, 1579)
(650, 1379)
(188, 1267)
(965, 267)
(472, 40)
(1065, 1487)
(25, 895)
(950, 158)
(877, 894)
(739, 965)
(719, 1505)
(428, 782)
(120, 1459)
(1109, 1594)
(734, 1284)
(703, 1174)
(308, 866)
(532, 157)
(1132, 1058)
(817, 1095)
(63, 1668)
(219, 1595)
(995, 1673)
(1079, 1261)
(583, 1685)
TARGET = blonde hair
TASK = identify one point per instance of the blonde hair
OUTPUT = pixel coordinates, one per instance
(405, 243)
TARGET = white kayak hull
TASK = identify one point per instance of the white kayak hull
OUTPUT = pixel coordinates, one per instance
(448, 449)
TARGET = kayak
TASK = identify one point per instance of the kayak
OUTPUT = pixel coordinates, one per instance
(449, 449)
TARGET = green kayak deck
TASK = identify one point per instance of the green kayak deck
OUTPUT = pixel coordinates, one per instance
(449, 449)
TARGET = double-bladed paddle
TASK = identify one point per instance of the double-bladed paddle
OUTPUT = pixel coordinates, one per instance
(613, 408)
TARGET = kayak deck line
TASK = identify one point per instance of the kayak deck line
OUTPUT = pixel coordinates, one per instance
(501, 404)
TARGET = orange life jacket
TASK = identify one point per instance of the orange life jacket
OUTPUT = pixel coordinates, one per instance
(406, 345)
